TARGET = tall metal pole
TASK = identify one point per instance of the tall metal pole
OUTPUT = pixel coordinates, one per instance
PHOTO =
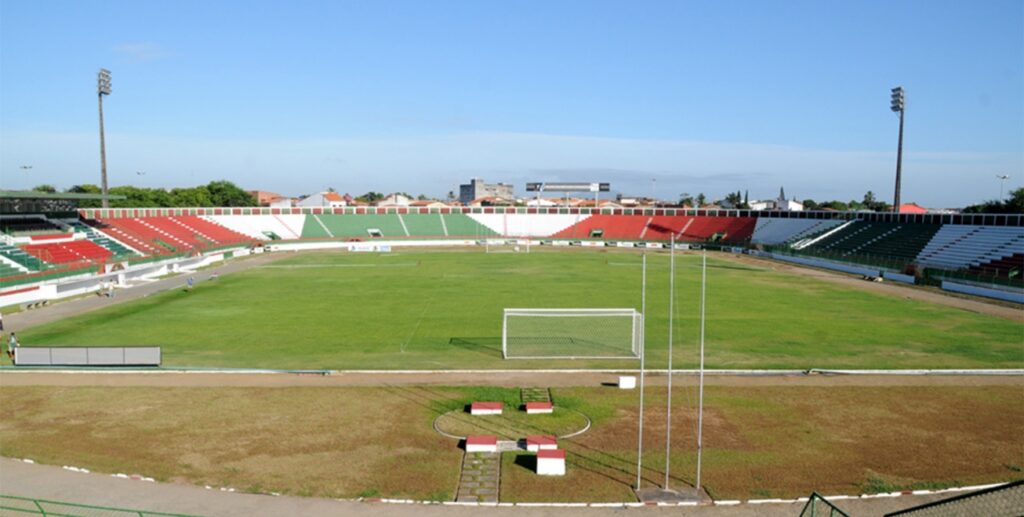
(643, 320)
(103, 158)
(700, 389)
(103, 88)
(671, 313)
(899, 166)
(898, 104)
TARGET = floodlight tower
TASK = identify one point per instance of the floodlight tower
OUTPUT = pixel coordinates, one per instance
(898, 105)
(1002, 183)
(103, 88)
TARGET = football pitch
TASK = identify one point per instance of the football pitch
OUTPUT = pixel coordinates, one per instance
(443, 310)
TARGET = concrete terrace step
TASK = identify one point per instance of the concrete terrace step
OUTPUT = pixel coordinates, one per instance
(480, 478)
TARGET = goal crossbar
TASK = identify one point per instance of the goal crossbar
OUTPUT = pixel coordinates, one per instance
(586, 333)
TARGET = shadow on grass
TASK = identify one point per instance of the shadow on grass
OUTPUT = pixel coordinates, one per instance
(527, 461)
(490, 346)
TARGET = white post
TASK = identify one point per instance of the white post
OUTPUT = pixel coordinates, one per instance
(504, 335)
(640, 433)
(668, 406)
(700, 389)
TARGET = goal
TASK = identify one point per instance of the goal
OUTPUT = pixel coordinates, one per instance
(506, 245)
(571, 334)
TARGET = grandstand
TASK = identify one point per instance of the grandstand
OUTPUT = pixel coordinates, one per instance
(981, 246)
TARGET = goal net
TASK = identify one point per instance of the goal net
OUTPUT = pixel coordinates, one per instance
(506, 245)
(571, 334)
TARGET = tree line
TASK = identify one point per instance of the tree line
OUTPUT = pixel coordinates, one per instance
(215, 193)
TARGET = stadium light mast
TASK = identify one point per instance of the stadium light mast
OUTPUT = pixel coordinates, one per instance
(898, 105)
(1002, 184)
(103, 88)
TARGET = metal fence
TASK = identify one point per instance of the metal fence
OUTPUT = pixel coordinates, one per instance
(1001, 501)
(13, 506)
(818, 506)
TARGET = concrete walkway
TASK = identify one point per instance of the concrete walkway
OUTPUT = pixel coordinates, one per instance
(54, 483)
(59, 310)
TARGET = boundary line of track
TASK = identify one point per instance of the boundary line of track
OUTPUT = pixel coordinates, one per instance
(724, 372)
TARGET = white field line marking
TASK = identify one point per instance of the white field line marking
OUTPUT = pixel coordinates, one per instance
(314, 266)
(428, 305)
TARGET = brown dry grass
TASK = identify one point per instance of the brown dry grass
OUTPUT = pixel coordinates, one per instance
(306, 441)
(789, 441)
(760, 441)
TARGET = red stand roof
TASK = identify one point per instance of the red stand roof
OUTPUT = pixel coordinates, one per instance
(551, 454)
(482, 439)
(487, 405)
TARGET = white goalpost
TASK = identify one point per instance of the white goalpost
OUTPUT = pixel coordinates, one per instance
(571, 334)
(507, 245)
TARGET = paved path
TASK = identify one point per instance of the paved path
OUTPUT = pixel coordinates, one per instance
(20, 377)
(60, 310)
(55, 483)
(478, 482)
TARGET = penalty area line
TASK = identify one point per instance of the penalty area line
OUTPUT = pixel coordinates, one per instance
(324, 266)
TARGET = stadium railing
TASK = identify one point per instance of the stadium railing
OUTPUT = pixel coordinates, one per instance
(15, 505)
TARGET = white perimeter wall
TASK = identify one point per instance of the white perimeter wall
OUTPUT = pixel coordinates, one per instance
(527, 225)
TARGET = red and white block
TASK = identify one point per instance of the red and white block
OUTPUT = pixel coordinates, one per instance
(486, 408)
(551, 462)
(482, 443)
(541, 442)
(539, 408)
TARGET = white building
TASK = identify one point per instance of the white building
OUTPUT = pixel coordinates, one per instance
(323, 199)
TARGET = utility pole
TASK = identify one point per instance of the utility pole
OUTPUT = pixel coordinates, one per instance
(898, 105)
(103, 88)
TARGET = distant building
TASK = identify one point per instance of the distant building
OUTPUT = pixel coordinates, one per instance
(490, 201)
(323, 200)
(265, 198)
(912, 208)
(395, 200)
(477, 189)
(789, 205)
(427, 203)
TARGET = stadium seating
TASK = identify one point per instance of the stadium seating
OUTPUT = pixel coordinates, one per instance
(209, 230)
(462, 225)
(7, 269)
(1005, 267)
(19, 256)
(423, 225)
(770, 230)
(359, 226)
(177, 233)
(959, 246)
(888, 241)
(527, 225)
(68, 251)
(118, 249)
(265, 227)
(28, 225)
(612, 227)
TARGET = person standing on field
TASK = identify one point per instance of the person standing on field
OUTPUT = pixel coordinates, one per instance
(12, 347)
(190, 282)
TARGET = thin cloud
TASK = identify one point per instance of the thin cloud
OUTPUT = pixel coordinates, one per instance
(143, 51)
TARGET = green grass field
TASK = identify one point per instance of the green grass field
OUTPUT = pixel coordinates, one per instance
(443, 310)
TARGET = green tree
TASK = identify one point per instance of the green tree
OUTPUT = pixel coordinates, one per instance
(1013, 204)
(225, 193)
(701, 200)
(87, 189)
(685, 199)
(50, 189)
(370, 197)
(188, 197)
(734, 199)
(810, 204)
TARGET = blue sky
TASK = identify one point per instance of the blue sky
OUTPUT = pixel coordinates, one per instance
(420, 96)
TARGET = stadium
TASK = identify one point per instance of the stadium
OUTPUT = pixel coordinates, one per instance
(524, 259)
(365, 334)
